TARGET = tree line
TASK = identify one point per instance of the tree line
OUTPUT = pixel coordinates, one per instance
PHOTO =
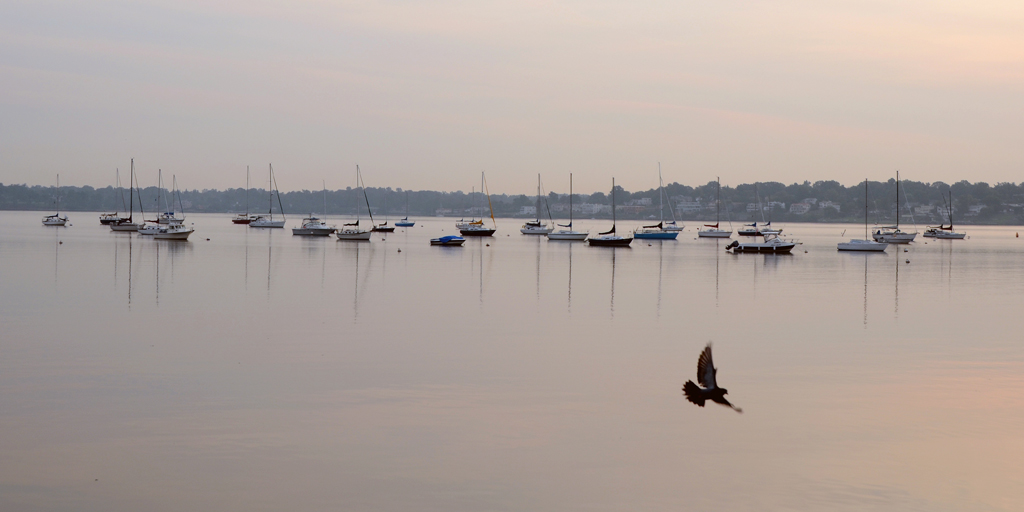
(976, 202)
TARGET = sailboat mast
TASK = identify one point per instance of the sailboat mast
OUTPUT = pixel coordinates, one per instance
(247, 191)
(661, 195)
(897, 200)
(865, 208)
(58, 195)
(570, 200)
(270, 189)
(325, 200)
(613, 204)
(131, 196)
(718, 203)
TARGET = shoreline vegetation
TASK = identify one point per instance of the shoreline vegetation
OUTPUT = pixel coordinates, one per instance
(823, 201)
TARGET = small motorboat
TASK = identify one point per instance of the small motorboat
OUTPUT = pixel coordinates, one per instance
(450, 240)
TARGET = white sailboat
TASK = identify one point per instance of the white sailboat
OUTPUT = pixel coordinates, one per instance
(943, 232)
(865, 245)
(175, 229)
(351, 231)
(658, 231)
(892, 234)
(56, 219)
(712, 230)
(267, 221)
(405, 222)
(568, 234)
(536, 227)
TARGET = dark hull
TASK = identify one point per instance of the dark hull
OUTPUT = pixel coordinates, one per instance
(619, 242)
(477, 232)
(766, 250)
(241, 221)
(384, 230)
(748, 232)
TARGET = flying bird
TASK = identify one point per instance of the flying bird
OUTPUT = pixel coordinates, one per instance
(706, 377)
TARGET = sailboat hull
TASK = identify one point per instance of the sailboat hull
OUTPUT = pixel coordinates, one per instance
(570, 236)
(535, 231)
(384, 229)
(862, 246)
(405, 224)
(610, 241)
(477, 231)
(714, 233)
(262, 223)
(354, 235)
(125, 226)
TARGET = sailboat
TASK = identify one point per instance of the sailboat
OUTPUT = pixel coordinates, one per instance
(536, 227)
(658, 231)
(175, 229)
(122, 223)
(405, 222)
(670, 225)
(351, 231)
(609, 238)
(713, 230)
(892, 234)
(56, 219)
(476, 227)
(168, 216)
(108, 218)
(267, 221)
(865, 245)
(246, 217)
(944, 232)
(568, 234)
(382, 227)
(312, 226)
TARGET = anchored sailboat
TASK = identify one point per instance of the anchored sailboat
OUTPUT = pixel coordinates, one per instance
(609, 238)
(658, 231)
(892, 234)
(713, 230)
(56, 219)
(405, 222)
(351, 231)
(568, 234)
(865, 245)
(244, 218)
(476, 227)
(267, 221)
(536, 227)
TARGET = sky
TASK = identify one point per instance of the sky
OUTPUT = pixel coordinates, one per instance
(427, 94)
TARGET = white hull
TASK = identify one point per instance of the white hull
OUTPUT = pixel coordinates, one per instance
(668, 226)
(576, 236)
(535, 231)
(150, 229)
(125, 227)
(714, 233)
(59, 222)
(172, 234)
(356, 235)
(950, 236)
(897, 237)
(862, 246)
(260, 223)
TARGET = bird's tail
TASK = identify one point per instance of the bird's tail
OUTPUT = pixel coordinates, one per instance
(693, 393)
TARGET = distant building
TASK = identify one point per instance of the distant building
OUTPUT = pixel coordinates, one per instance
(689, 207)
(775, 205)
(631, 209)
(829, 204)
(593, 209)
(799, 208)
(528, 210)
(643, 201)
(924, 209)
(810, 200)
(752, 207)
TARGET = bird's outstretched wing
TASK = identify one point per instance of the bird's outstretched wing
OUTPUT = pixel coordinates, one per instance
(706, 369)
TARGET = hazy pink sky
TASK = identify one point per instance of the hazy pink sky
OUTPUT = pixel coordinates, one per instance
(425, 95)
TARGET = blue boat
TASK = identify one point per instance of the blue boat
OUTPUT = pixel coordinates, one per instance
(448, 240)
(655, 232)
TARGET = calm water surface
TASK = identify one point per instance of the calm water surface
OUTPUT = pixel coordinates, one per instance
(261, 371)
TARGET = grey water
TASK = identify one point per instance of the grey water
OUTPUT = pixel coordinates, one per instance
(257, 370)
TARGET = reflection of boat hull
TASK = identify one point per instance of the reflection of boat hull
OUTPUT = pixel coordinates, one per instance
(656, 235)
(862, 246)
(450, 241)
(474, 231)
(313, 231)
(572, 236)
(714, 233)
(610, 241)
(357, 235)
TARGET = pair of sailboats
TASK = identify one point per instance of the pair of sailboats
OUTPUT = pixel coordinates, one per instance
(476, 227)
(893, 234)
(943, 232)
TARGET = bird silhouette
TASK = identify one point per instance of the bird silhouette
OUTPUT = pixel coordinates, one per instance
(706, 372)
